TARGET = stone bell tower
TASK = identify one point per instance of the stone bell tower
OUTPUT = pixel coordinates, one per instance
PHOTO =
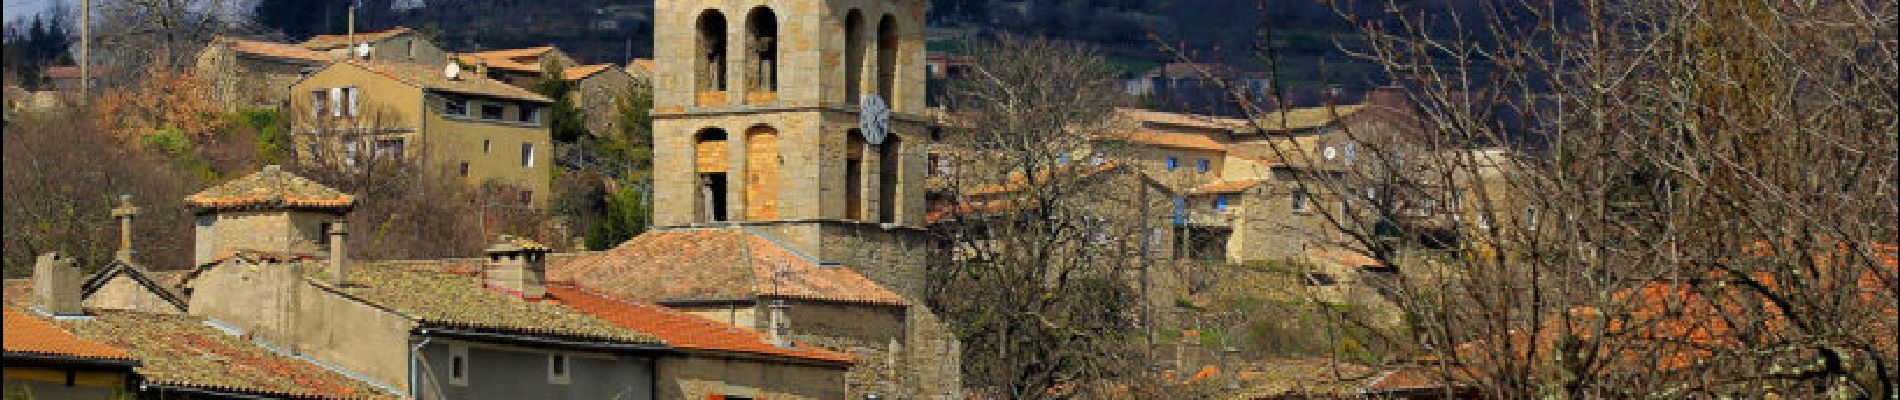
(798, 119)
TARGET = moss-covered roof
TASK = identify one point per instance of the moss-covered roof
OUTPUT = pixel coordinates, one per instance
(180, 350)
(458, 301)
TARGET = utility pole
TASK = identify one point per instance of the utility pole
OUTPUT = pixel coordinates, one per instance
(85, 45)
(351, 28)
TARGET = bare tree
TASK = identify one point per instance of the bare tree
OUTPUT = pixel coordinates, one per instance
(62, 178)
(1038, 240)
(1635, 199)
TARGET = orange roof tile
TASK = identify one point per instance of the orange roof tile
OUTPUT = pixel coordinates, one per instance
(584, 71)
(706, 264)
(1179, 119)
(1175, 140)
(188, 351)
(326, 42)
(681, 330)
(271, 186)
(273, 50)
(1350, 258)
(71, 72)
(430, 78)
(32, 334)
(522, 60)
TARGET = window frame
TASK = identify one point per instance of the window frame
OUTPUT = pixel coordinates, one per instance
(501, 111)
(560, 368)
(1173, 163)
(455, 107)
(1202, 165)
(527, 155)
(459, 365)
(1300, 200)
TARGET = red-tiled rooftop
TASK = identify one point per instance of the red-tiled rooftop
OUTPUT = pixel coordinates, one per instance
(186, 351)
(271, 186)
(27, 333)
(707, 264)
(274, 50)
(681, 330)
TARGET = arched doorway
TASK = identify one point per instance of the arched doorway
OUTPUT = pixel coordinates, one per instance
(762, 173)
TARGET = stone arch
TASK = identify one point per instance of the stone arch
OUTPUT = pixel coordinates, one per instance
(710, 163)
(710, 49)
(890, 163)
(762, 49)
(762, 165)
(854, 175)
(887, 58)
(853, 56)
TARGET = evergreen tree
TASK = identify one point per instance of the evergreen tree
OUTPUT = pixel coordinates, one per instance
(301, 19)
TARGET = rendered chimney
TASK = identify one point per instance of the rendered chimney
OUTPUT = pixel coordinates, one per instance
(518, 266)
(780, 322)
(339, 260)
(56, 281)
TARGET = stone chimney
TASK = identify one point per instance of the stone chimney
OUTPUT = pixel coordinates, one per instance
(124, 213)
(56, 283)
(517, 266)
(339, 260)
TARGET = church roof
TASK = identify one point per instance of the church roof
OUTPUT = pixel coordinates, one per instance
(683, 265)
(271, 187)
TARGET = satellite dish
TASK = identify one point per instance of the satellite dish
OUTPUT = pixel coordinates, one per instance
(362, 50)
(452, 71)
(1330, 152)
(874, 119)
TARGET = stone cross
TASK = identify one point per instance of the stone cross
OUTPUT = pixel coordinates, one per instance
(124, 213)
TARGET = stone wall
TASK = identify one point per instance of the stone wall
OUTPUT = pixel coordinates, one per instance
(271, 230)
(124, 293)
(704, 376)
(275, 303)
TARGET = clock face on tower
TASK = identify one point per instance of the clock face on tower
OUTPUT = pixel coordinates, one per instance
(874, 119)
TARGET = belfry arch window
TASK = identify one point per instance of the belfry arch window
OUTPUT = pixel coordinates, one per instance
(710, 71)
(854, 175)
(887, 58)
(761, 173)
(853, 56)
(890, 155)
(710, 163)
(762, 46)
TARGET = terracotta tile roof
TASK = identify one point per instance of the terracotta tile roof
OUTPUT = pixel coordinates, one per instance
(682, 330)
(521, 60)
(1306, 118)
(273, 50)
(1227, 187)
(429, 77)
(1349, 258)
(1180, 119)
(32, 334)
(1174, 140)
(640, 67)
(186, 351)
(458, 301)
(584, 71)
(271, 186)
(326, 42)
(707, 264)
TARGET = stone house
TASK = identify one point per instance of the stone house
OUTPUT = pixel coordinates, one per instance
(399, 44)
(597, 90)
(488, 328)
(483, 130)
(255, 74)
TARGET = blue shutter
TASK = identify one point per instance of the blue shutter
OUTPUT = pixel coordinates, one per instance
(1220, 202)
(1180, 211)
(1173, 163)
(1202, 165)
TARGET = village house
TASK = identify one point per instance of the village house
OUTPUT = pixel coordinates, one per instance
(597, 89)
(255, 74)
(399, 44)
(486, 132)
(43, 360)
(65, 78)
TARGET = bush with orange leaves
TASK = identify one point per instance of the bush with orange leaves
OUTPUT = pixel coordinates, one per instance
(165, 99)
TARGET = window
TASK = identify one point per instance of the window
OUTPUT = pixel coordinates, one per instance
(458, 365)
(349, 153)
(1180, 211)
(463, 170)
(527, 155)
(1220, 202)
(319, 102)
(530, 114)
(1530, 218)
(492, 111)
(350, 95)
(1299, 200)
(1173, 163)
(336, 102)
(456, 107)
(527, 197)
(486, 144)
(1201, 165)
(390, 149)
(1062, 159)
(557, 369)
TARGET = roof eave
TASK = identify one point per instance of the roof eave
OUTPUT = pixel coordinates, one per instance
(544, 340)
(16, 358)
